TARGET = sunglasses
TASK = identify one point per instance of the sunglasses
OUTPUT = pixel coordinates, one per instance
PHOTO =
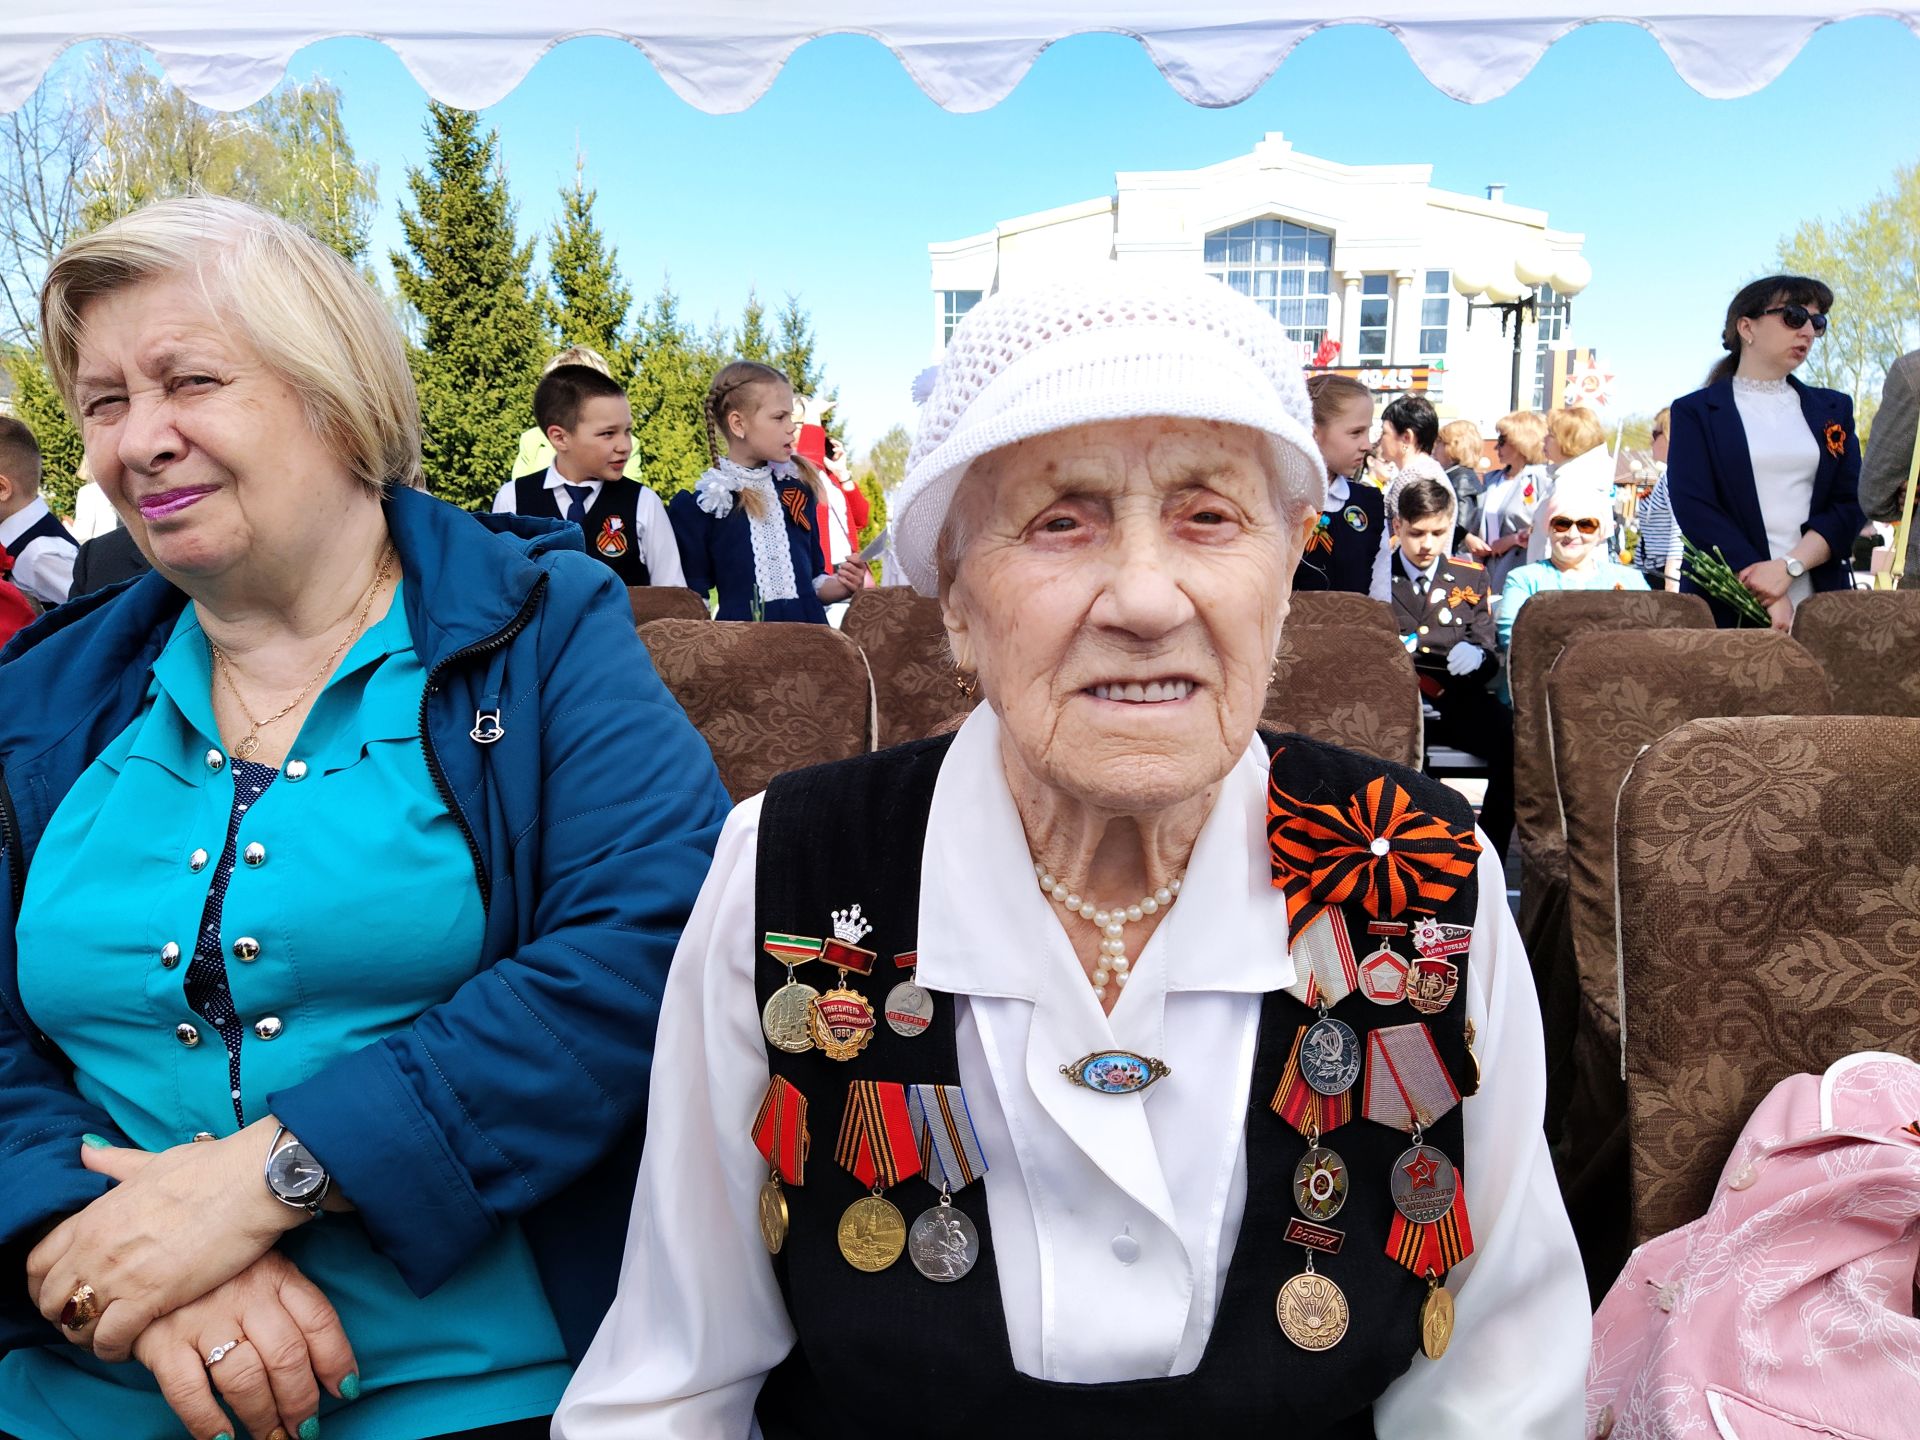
(1561, 524)
(1795, 316)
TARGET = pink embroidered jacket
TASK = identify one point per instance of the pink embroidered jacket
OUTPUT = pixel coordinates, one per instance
(1787, 1311)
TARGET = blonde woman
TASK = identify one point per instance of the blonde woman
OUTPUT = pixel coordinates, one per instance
(1514, 492)
(1576, 453)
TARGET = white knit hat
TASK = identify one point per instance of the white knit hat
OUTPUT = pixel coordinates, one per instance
(1110, 344)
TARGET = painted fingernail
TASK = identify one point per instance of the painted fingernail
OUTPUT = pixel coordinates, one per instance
(96, 1142)
(310, 1428)
(350, 1387)
(223, 1435)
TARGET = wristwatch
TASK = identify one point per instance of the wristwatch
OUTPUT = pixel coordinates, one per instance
(1795, 568)
(293, 1176)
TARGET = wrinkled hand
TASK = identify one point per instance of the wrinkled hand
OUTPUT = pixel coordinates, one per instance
(290, 1345)
(1768, 579)
(1780, 612)
(1465, 658)
(176, 1225)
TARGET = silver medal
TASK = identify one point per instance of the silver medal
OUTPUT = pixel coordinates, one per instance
(1330, 1056)
(1424, 1184)
(909, 1009)
(943, 1244)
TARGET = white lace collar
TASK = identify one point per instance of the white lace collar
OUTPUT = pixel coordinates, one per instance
(714, 492)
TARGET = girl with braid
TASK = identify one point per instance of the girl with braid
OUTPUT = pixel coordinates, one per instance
(747, 527)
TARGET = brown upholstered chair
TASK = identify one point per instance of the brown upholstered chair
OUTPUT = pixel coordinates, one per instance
(1769, 924)
(1348, 685)
(664, 602)
(900, 633)
(1869, 641)
(1339, 607)
(768, 698)
(1608, 696)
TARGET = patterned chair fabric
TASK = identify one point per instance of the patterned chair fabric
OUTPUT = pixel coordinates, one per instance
(1339, 607)
(1608, 697)
(1869, 641)
(768, 698)
(665, 602)
(1347, 685)
(901, 634)
(1769, 924)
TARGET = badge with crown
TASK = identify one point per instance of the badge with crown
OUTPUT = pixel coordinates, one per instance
(841, 1021)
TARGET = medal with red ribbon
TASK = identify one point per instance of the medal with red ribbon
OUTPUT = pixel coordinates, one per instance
(1304, 1106)
(780, 1135)
(877, 1147)
(1379, 851)
(1323, 966)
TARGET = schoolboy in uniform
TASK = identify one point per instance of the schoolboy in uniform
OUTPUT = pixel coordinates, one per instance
(586, 419)
(41, 548)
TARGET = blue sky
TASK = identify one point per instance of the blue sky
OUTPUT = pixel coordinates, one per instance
(832, 185)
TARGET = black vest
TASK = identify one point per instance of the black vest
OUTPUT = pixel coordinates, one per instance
(893, 1353)
(1339, 554)
(612, 526)
(47, 527)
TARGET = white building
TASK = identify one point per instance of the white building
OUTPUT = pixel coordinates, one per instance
(1363, 255)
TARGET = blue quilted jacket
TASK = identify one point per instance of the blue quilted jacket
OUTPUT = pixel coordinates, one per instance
(592, 822)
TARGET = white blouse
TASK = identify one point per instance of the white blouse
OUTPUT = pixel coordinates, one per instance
(1785, 459)
(1098, 1203)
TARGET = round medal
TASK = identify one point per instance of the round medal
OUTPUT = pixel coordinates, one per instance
(1436, 1321)
(1424, 1184)
(1330, 1056)
(1312, 1312)
(773, 1217)
(872, 1234)
(943, 1244)
(785, 1017)
(841, 1023)
(909, 1009)
(1320, 1184)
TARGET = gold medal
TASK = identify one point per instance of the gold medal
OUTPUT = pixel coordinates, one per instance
(841, 1023)
(784, 1020)
(773, 1215)
(1312, 1311)
(1436, 1320)
(873, 1234)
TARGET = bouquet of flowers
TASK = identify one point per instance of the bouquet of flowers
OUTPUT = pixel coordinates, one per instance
(1712, 573)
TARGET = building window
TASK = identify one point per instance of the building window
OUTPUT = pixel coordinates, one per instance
(1287, 269)
(1553, 324)
(955, 304)
(1375, 302)
(1435, 307)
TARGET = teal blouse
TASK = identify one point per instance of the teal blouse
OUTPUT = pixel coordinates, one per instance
(1531, 579)
(366, 912)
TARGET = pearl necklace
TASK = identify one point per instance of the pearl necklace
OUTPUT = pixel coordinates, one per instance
(1114, 964)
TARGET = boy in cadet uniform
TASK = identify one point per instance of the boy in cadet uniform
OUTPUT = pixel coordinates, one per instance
(1443, 607)
(41, 548)
(586, 419)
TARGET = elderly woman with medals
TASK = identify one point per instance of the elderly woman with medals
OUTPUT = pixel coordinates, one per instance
(1156, 1074)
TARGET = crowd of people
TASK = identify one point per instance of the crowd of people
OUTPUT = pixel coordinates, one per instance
(372, 901)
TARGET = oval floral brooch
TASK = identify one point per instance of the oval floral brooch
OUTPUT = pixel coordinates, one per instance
(1836, 438)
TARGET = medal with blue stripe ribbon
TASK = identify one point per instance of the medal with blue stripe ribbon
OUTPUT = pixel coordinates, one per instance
(943, 1244)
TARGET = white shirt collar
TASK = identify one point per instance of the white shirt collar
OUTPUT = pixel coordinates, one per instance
(22, 520)
(1338, 489)
(555, 480)
(1413, 573)
(985, 928)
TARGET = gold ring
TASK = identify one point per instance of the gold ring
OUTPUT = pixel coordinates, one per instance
(81, 1310)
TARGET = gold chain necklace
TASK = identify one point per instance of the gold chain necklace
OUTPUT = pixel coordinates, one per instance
(250, 742)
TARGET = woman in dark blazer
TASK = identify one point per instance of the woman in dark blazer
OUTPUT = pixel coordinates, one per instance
(1763, 467)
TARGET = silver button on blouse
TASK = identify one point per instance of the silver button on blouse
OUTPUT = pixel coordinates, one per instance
(246, 949)
(197, 861)
(187, 1035)
(296, 770)
(255, 855)
(268, 1028)
(169, 955)
(216, 761)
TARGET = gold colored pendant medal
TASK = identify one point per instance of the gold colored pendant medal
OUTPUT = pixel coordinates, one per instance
(784, 1020)
(1436, 1320)
(773, 1215)
(1312, 1311)
(872, 1234)
(841, 1023)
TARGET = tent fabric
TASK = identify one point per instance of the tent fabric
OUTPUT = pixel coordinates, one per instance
(967, 55)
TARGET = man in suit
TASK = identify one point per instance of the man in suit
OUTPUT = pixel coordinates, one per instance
(1889, 460)
(1443, 607)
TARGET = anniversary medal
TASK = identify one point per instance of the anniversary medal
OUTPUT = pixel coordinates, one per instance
(784, 1019)
(1310, 1308)
(780, 1134)
(943, 1245)
(1327, 1052)
(876, 1147)
(909, 1007)
(841, 1021)
(1435, 978)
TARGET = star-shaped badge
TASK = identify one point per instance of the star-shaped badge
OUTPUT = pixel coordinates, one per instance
(1423, 1172)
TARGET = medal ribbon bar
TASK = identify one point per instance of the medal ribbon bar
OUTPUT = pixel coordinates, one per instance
(1303, 1107)
(1324, 968)
(876, 1136)
(949, 1149)
(791, 950)
(1407, 1086)
(780, 1130)
(1433, 1249)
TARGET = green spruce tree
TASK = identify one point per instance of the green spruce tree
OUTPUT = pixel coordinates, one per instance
(36, 402)
(751, 341)
(672, 369)
(590, 302)
(794, 357)
(482, 339)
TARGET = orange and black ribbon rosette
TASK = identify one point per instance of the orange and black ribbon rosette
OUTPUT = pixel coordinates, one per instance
(1836, 435)
(1378, 849)
(1463, 595)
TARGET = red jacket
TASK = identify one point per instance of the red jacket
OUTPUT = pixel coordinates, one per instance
(16, 611)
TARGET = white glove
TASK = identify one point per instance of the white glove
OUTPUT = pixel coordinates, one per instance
(1464, 658)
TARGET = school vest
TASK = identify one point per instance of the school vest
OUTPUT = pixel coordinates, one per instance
(894, 1353)
(1339, 554)
(611, 527)
(47, 527)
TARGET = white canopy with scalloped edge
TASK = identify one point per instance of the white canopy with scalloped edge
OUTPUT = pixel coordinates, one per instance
(722, 55)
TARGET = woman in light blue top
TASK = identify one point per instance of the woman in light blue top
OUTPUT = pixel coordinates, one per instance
(1578, 520)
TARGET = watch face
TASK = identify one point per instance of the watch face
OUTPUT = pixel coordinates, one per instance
(294, 1174)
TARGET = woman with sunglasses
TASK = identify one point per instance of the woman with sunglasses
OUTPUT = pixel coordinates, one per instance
(1765, 468)
(1578, 519)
